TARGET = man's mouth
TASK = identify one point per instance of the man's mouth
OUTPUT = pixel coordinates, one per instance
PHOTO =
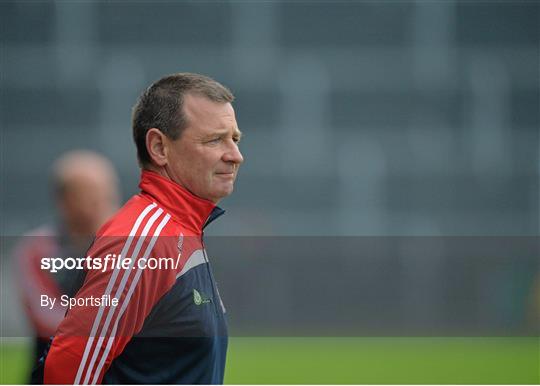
(226, 175)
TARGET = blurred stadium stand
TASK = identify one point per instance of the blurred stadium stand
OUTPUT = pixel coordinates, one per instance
(360, 118)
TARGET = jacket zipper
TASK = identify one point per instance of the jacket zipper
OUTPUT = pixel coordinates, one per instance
(214, 294)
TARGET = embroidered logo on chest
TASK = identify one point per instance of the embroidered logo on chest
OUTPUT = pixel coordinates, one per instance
(199, 298)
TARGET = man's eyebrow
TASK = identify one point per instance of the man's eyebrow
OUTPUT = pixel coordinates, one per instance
(236, 132)
(222, 132)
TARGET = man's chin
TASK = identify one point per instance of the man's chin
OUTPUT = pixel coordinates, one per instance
(224, 192)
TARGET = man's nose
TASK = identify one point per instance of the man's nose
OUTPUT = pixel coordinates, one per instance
(233, 155)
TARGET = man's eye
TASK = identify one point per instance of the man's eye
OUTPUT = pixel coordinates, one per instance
(214, 140)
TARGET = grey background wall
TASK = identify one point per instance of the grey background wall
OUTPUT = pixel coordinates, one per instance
(360, 118)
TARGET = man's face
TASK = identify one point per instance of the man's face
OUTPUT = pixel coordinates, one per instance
(205, 158)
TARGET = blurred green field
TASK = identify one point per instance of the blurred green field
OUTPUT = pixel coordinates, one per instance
(357, 360)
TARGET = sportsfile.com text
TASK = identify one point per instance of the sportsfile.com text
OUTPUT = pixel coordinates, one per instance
(110, 261)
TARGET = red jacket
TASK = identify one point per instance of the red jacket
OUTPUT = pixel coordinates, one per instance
(163, 222)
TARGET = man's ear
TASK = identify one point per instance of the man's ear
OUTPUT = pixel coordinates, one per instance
(156, 147)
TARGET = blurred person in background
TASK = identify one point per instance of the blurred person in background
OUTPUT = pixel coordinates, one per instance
(164, 325)
(86, 194)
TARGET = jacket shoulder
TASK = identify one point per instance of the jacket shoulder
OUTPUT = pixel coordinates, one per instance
(132, 218)
(140, 215)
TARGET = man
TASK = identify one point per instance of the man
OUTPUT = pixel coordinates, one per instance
(168, 324)
(86, 194)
